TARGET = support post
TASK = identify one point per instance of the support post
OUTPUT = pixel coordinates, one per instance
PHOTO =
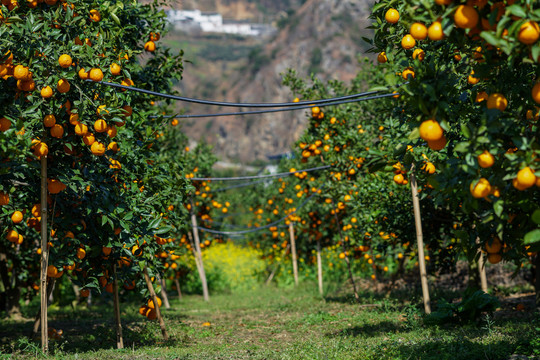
(420, 241)
(319, 268)
(293, 252)
(156, 306)
(119, 337)
(164, 293)
(37, 320)
(44, 258)
(482, 270)
(178, 290)
(198, 254)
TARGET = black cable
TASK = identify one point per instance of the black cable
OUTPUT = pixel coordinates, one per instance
(261, 176)
(231, 104)
(240, 113)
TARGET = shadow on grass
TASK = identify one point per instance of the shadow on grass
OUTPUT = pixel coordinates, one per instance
(88, 330)
(368, 330)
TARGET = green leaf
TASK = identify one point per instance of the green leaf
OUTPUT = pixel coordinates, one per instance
(517, 10)
(465, 131)
(491, 38)
(536, 216)
(498, 207)
(532, 237)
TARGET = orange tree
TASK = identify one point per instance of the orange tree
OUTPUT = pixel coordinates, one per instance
(472, 97)
(107, 182)
(365, 183)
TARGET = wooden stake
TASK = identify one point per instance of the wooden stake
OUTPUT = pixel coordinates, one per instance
(202, 274)
(293, 252)
(119, 337)
(37, 321)
(482, 270)
(156, 307)
(420, 242)
(44, 258)
(164, 293)
(177, 283)
(319, 268)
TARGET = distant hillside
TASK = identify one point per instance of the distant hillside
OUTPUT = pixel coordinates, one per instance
(321, 37)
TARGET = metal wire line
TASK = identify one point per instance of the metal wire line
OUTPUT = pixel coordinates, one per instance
(232, 104)
(241, 113)
(260, 227)
(261, 176)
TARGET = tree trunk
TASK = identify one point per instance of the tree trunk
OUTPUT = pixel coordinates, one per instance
(198, 254)
(164, 293)
(178, 290)
(537, 282)
(319, 268)
(293, 252)
(156, 306)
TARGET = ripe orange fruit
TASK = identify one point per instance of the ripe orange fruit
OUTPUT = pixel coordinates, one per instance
(41, 149)
(5, 124)
(155, 36)
(466, 17)
(529, 33)
(95, 15)
(115, 69)
(128, 110)
(96, 74)
(52, 271)
(97, 148)
(429, 167)
(525, 178)
(418, 31)
(430, 130)
(151, 314)
(46, 92)
(471, 79)
(85, 293)
(536, 92)
(174, 122)
(81, 129)
(73, 119)
(54, 187)
(408, 42)
(480, 189)
(57, 131)
(497, 101)
(89, 139)
(435, 31)
(100, 126)
(443, 2)
(150, 46)
(111, 131)
(485, 159)
(49, 120)
(4, 198)
(16, 217)
(419, 54)
(342, 256)
(136, 251)
(381, 58)
(20, 72)
(106, 250)
(81, 253)
(151, 303)
(63, 86)
(392, 16)
(65, 61)
(83, 74)
(398, 179)
(113, 146)
(12, 236)
(494, 247)
(481, 96)
(408, 72)
(494, 258)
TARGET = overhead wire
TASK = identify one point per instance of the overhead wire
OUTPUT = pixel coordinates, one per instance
(233, 104)
(288, 173)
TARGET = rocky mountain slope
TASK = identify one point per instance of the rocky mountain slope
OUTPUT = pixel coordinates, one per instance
(321, 37)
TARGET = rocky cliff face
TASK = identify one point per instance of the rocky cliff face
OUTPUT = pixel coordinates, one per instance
(321, 37)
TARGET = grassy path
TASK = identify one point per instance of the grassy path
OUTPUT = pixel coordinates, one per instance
(280, 324)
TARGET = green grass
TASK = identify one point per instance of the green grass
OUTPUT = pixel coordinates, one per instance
(273, 323)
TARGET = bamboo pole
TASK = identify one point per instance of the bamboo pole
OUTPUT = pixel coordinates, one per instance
(178, 290)
(44, 258)
(319, 268)
(202, 273)
(119, 337)
(156, 306)
(482, 270)
(293, 252)
(37, 320)
(164, 293)
(420, 241)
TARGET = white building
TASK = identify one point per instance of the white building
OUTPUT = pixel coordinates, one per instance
(212, 22)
